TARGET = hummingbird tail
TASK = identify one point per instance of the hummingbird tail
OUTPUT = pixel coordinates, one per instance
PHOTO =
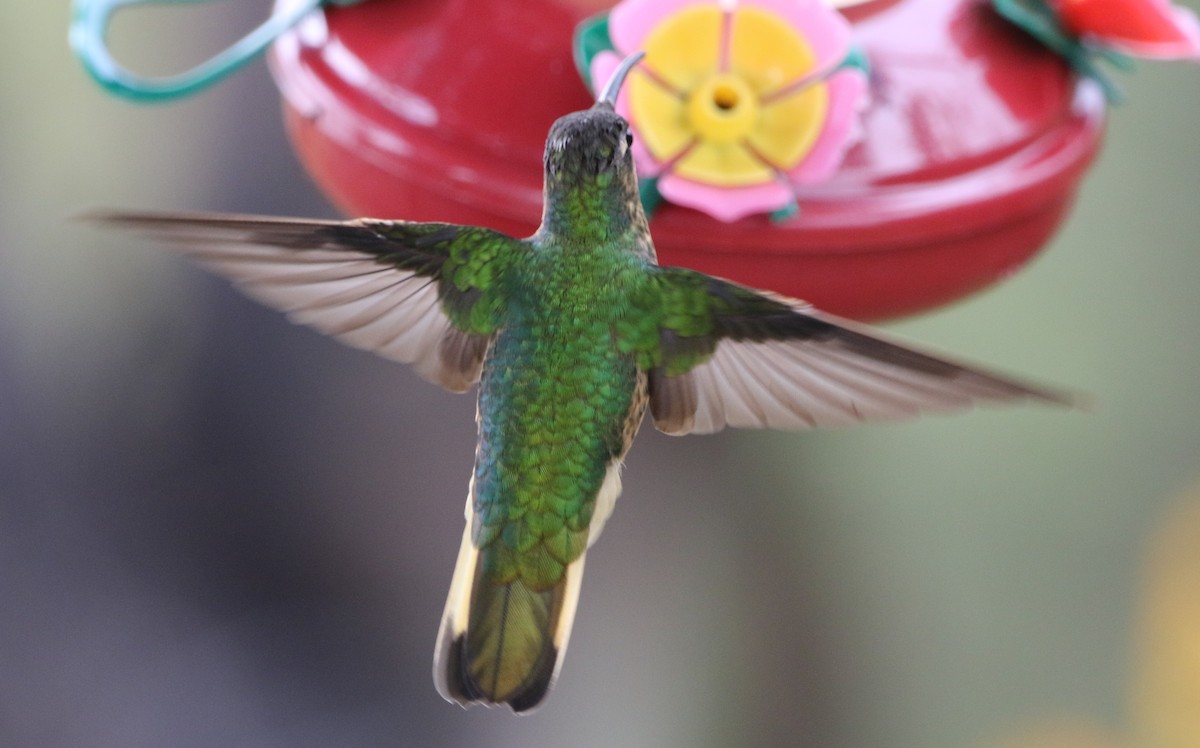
(502, 643)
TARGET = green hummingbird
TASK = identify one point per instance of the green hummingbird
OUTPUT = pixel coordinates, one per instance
(570, 334)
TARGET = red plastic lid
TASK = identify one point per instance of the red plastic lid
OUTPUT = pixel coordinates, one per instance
(973, 144)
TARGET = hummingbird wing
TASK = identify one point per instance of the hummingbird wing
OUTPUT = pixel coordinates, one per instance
(420, 293)
(726, 355)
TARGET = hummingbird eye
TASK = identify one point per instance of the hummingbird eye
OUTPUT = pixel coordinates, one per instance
(628, 138)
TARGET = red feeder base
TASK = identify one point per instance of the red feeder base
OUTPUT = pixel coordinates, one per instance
(974, 142)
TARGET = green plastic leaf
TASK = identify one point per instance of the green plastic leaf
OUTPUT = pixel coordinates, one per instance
(651, 197)
(591, 38)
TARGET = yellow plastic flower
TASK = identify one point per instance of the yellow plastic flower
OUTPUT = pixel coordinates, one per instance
(735, 104)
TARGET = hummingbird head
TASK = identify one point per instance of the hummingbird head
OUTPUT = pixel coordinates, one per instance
(589, 147)
(588, 164)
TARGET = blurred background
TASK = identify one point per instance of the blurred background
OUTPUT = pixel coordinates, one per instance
(219, 529)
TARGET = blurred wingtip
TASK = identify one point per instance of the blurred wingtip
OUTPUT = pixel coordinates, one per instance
(118, 218)
(151, 218)
(1084, 402)
(1070, 399)
(1073, 400)
(93, 214)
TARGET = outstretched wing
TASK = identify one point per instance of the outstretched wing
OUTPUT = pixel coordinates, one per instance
(725, 355)
(420, 293)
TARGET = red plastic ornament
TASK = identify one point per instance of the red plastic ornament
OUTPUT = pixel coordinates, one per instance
(973, 144)
(1147, 25)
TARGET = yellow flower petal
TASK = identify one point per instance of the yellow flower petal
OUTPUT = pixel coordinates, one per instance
(685, 48)
(723, 165)
(766, 51)
(788, 127)
(660, 117)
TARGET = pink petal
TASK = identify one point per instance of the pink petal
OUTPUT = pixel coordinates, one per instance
(824, 28)
(643, 163)
(631, 21)
(725, 203)
(1143, 28)
(847, 96)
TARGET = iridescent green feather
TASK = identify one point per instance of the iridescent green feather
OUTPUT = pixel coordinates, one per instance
(467, 262)
(682, 314)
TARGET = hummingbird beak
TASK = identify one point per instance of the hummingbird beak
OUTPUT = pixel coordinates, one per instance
(609, 94)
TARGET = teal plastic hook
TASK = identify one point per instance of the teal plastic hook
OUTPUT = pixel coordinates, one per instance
(89, 31)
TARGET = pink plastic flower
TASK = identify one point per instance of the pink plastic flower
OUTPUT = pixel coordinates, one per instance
(1141, 28)
(736, 103)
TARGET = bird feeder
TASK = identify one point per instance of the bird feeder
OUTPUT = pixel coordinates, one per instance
(972, 145)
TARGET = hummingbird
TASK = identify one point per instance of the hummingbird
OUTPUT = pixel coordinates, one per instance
(571, 335)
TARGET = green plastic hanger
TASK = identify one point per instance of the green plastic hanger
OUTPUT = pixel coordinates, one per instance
(89, 31)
